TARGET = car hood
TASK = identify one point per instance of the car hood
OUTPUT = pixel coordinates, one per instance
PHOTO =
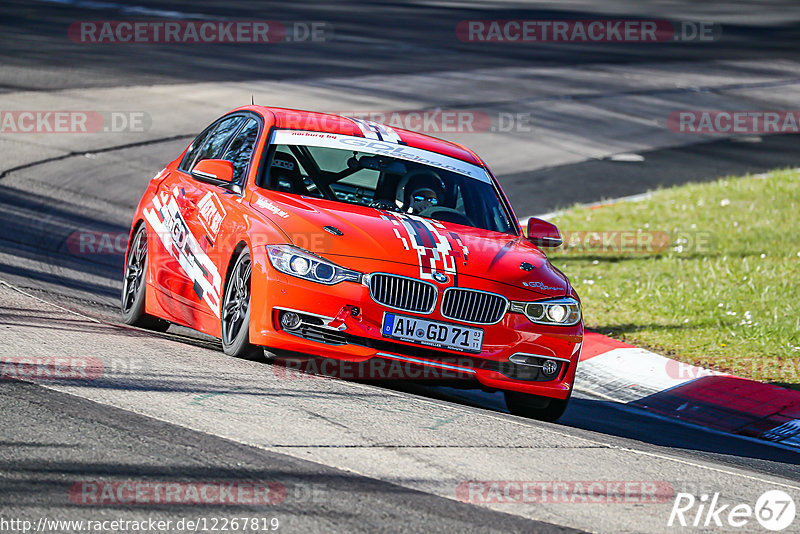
(432, 246)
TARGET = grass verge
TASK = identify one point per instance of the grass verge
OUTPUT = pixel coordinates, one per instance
(707, 274)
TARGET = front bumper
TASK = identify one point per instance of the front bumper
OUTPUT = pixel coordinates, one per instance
(330, 329)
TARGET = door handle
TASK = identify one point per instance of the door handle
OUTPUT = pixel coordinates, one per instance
(189, 205)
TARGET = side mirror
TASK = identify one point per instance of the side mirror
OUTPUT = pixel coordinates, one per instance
(214, 171)
(543, 234)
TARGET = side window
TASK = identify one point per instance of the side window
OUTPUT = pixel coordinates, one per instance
(191, 154)
(241, 149)
(217, 141)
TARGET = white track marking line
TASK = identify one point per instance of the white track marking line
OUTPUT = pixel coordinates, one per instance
(417, 398)
(18, 290)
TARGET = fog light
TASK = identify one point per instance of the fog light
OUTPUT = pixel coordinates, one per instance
(549, 367)
(290, 320)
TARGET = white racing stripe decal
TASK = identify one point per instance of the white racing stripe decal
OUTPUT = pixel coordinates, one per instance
(171, 228)
(376, 130)
(434, 251)
(368, 132)
(401, 238)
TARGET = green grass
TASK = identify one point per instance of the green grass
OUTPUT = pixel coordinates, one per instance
(722, 293)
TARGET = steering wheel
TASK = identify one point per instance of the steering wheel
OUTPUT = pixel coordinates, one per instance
(384, 204)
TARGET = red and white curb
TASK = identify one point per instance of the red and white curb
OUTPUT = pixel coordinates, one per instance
(640, 378)
(637, 377)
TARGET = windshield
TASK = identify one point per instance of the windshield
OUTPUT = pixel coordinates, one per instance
(409, 180)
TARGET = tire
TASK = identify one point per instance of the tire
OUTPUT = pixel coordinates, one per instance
(134, 285)
(235, 312)
(536, 407)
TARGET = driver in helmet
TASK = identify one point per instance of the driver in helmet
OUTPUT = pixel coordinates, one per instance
(422, 199)
(423, 190)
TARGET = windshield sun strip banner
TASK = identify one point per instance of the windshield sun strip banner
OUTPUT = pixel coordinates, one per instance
(382, 148)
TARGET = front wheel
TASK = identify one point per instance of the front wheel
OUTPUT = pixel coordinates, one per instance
(236, 311)
(133, 286)
(535, 406)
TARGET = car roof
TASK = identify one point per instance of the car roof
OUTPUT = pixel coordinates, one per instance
(296, 119)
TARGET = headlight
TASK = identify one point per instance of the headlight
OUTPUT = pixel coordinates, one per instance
(563, 311)
(297, 262)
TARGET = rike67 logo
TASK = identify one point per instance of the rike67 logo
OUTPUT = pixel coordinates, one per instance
(774, 510)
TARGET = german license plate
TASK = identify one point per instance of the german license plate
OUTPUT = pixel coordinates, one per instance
(432, 333)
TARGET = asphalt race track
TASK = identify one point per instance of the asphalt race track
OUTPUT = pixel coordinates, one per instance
(569, 123)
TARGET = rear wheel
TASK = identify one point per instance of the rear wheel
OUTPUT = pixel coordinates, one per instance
(236, 311)
(535, 406)
(133, 287)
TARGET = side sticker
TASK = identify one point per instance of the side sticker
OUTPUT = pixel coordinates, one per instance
(169, 225)
(211, 214)
(268, 205)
